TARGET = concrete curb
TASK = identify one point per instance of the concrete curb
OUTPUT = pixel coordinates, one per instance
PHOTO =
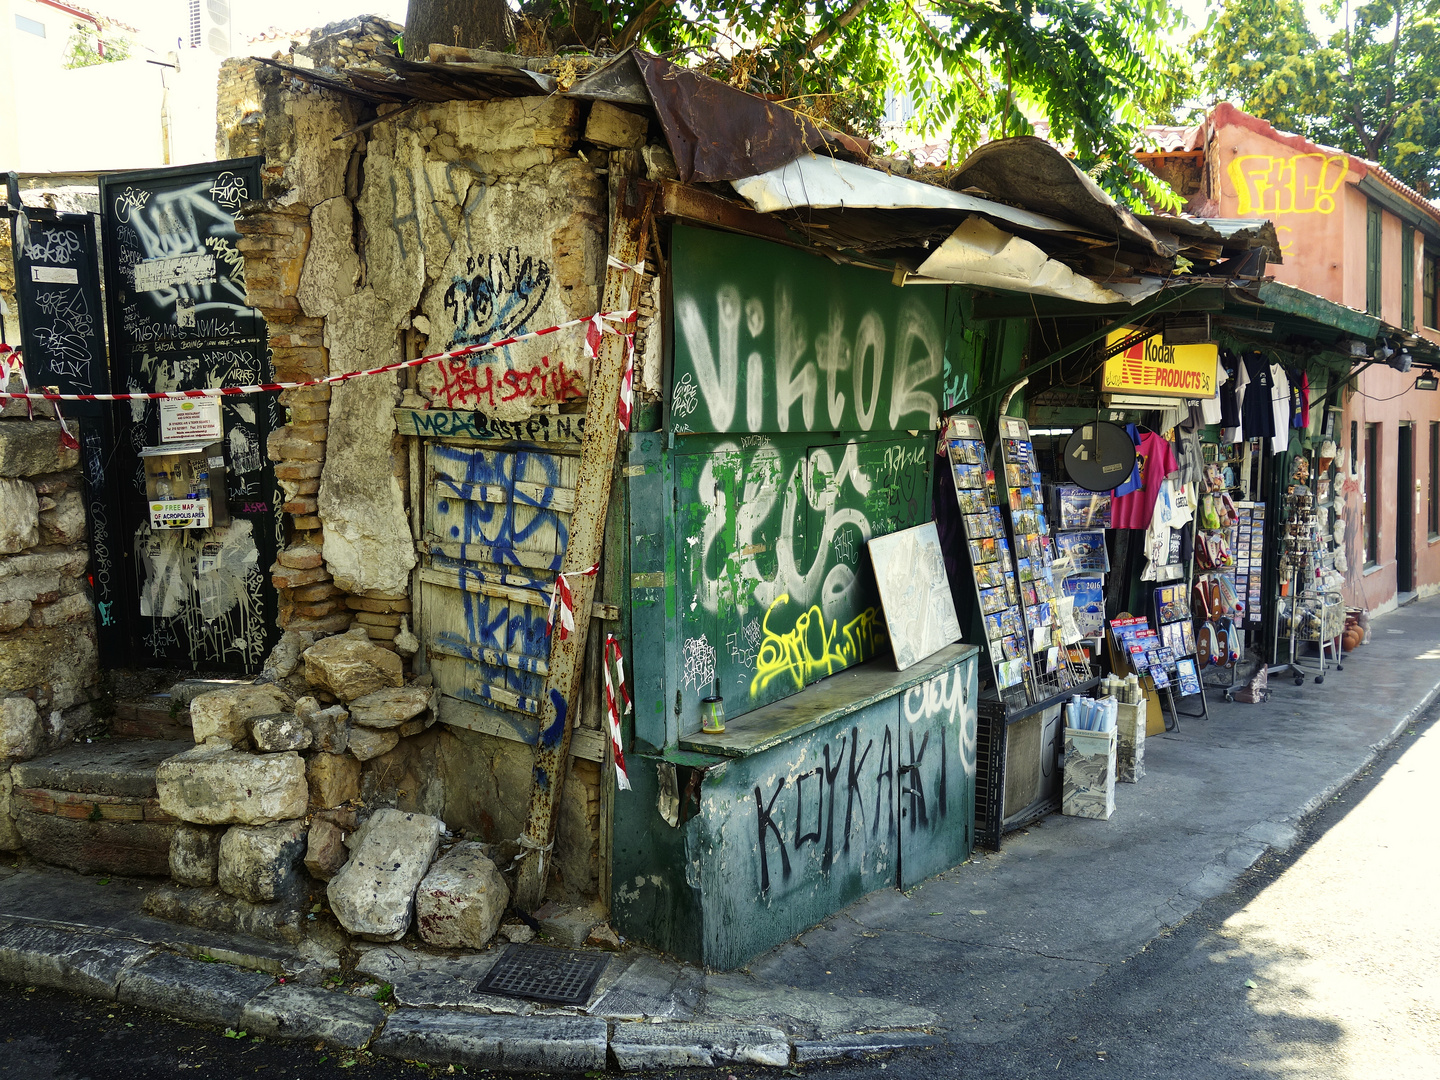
(91, 963)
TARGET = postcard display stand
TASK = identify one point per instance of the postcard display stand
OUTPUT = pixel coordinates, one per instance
(997, 592)
(1020, 729)
(1176, 629)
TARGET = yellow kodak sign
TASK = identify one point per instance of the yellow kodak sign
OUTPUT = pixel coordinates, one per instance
(1153, 368)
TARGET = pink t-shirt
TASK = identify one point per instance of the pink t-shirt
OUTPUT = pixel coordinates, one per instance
(1134, 511)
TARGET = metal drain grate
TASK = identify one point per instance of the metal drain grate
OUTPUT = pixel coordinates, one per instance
(540, 973)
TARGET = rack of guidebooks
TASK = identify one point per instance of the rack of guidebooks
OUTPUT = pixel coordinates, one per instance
(1138, 646)
(991, 562)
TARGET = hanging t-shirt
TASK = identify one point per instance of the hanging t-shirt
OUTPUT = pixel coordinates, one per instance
(1235, 433)
(1257, 408)
(1280, 409)
(1157, 461)
(1212, 408)
(1300, 395)
(1187, 448)
(1229, 387)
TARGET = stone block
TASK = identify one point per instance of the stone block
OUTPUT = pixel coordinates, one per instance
(13, 613)
(330, 624)
(211, 909)
(41, 585)
(301, 557)
(308, 1014)
(226, 714)
(367, 529)
(391, 708)
(284, 577)
(215, 785)
(367, 743)
(349, 666)
(280, 732)
(334, 779)
(613, 127)
(329, 728)
(192, 990)
(134, 848)
(21, 732)
(325, 850)
(572, 1044)
(195, 854)
(83, 963)
(259, 863)
(321, 590)
(58, 659)
(284, 445)
(462, 899)
(374, 894)
(705, 1045)
(32, 449)
(65, 610)
(381, 604)
(64, 523)
(284, 658)
(19, 515)
(297, 470)
(9, 835)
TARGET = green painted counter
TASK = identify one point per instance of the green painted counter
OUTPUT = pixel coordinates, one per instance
(864, 781)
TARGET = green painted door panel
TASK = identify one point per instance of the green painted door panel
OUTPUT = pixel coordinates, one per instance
(936, 742)
(652, 589)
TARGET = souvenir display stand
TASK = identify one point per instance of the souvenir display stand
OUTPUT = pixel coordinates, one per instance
(1006, 551)
(1311, 609)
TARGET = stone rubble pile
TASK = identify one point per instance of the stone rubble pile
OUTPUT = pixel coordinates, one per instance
(270, 798)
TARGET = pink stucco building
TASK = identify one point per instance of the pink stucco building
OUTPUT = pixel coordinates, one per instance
(1352, 233)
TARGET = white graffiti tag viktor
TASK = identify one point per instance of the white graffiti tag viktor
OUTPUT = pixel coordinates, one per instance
(699, 664)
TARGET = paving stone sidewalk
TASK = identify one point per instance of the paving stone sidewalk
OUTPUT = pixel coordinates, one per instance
(961, 957)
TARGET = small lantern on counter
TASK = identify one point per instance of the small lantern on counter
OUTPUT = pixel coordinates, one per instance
(712, 712)
(185, 485)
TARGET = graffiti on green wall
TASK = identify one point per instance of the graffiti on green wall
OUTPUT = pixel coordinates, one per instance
(768, 339)
(774, 589)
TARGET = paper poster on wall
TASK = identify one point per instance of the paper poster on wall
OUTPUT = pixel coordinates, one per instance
(190, 420)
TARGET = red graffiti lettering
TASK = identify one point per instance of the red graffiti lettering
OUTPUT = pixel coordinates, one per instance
(463, 384)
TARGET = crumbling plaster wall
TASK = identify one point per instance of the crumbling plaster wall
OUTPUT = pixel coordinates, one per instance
(442, 224)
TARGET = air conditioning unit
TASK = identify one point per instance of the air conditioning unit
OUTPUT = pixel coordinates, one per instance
(210, 26)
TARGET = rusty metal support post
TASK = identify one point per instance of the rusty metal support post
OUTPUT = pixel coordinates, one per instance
(587, 534)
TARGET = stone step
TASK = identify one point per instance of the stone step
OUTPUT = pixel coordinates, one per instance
(92, 807)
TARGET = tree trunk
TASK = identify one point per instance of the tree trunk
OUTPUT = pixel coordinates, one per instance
(472, 24)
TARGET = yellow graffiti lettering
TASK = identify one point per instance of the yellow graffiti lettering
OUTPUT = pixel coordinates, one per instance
(813, 646)
(1298, 184)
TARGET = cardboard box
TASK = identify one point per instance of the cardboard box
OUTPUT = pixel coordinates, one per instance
(1089, 788)
(1130, 750)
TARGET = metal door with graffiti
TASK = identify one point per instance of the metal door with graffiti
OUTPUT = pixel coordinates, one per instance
(179, 321)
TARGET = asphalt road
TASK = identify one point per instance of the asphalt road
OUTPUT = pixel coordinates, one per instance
(1321, 963)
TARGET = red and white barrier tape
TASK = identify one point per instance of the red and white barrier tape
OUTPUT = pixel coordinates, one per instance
(563, 604)
(612, 648)
(601, 320)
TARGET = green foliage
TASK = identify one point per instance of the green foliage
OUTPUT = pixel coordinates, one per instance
(1373, 88)
(82, 49)
(977, 69)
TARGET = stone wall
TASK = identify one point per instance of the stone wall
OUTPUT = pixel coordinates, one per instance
(48, 655)
(384, 244)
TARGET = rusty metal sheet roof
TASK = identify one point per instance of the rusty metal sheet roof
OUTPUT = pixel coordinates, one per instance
(1231, 234)
(822, 182)
(719, 133)
(1029, 172)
